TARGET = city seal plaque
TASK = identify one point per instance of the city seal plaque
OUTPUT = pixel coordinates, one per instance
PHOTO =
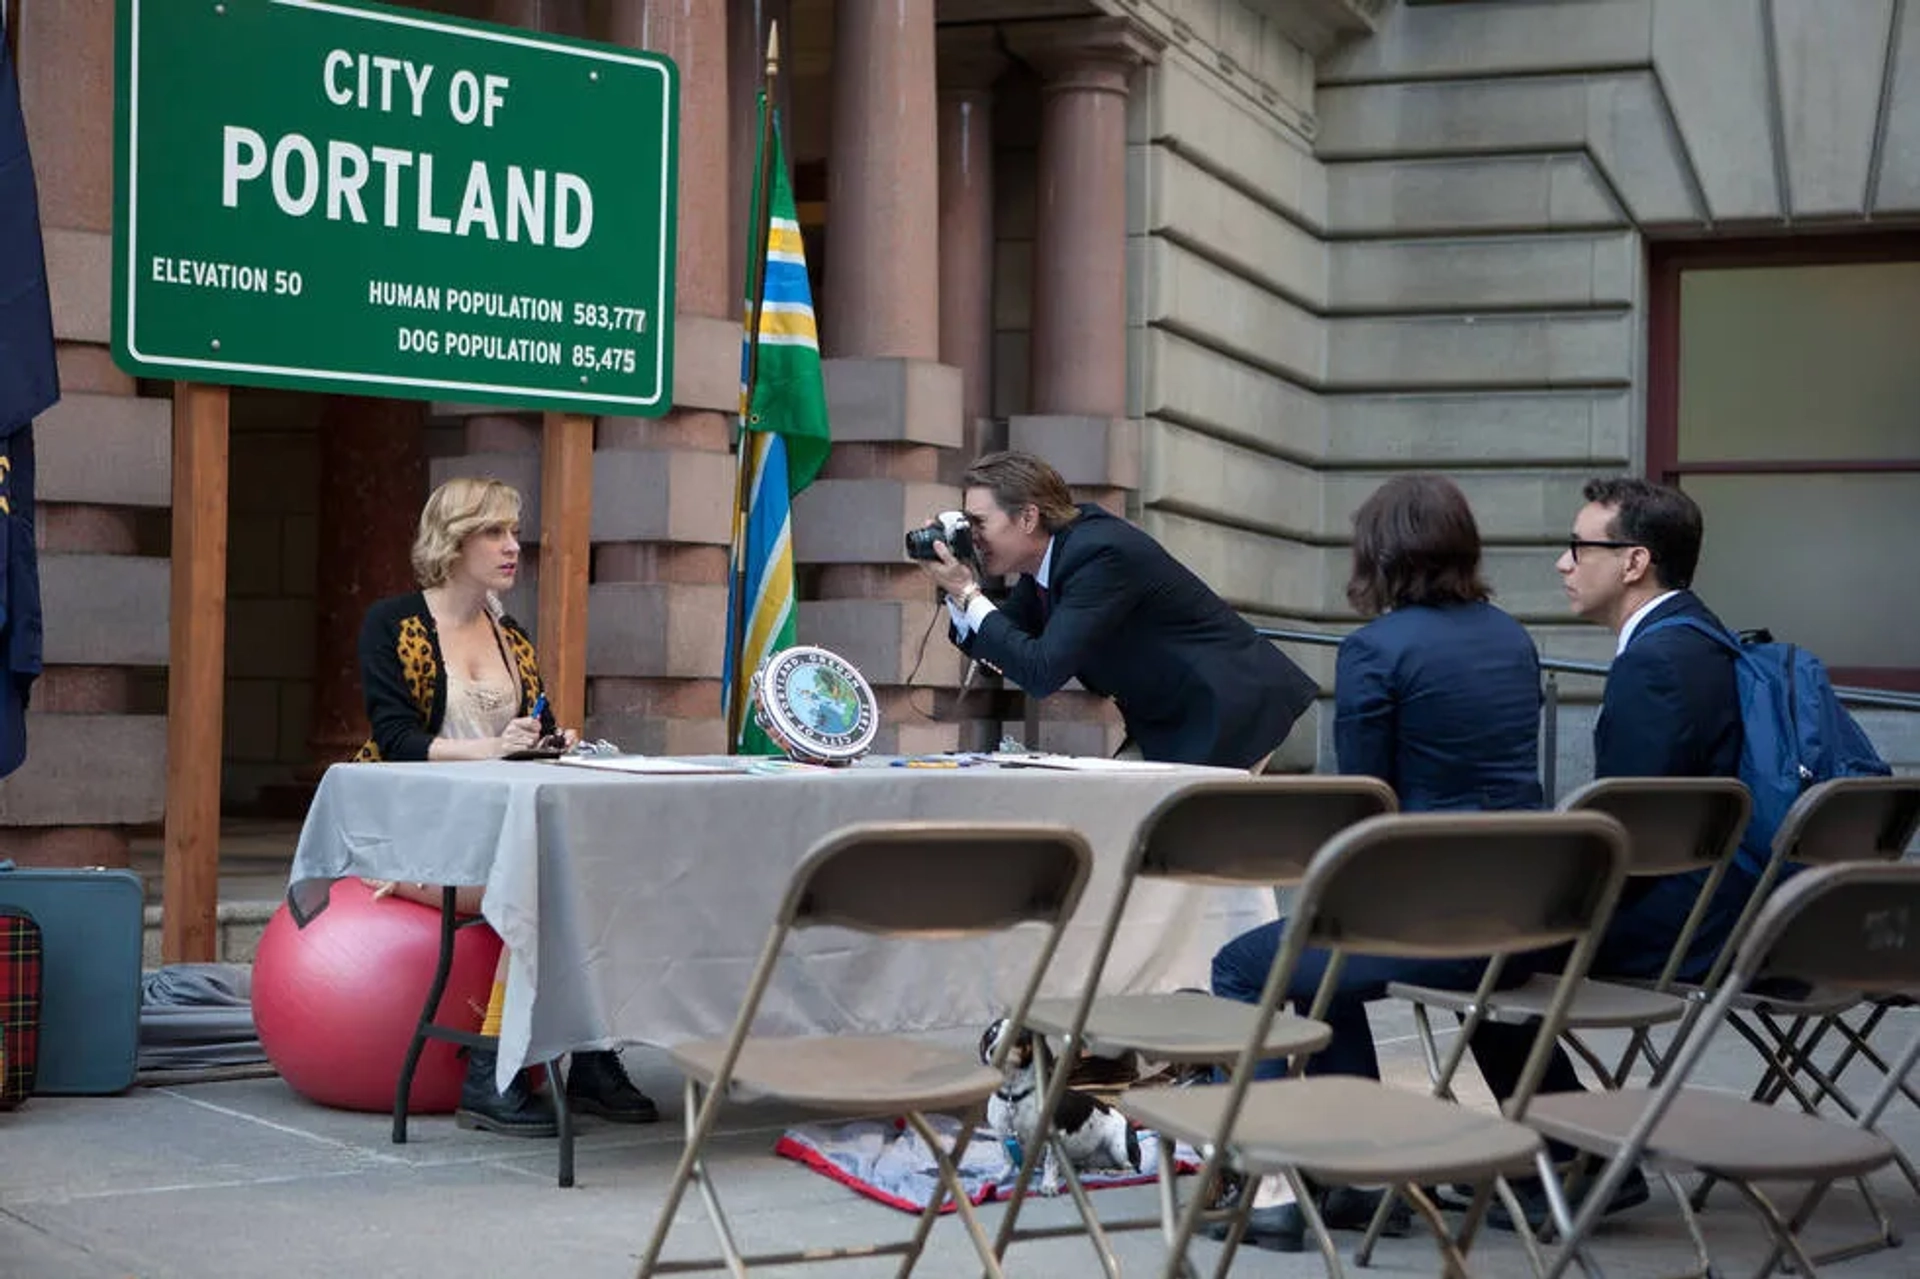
(815, 706)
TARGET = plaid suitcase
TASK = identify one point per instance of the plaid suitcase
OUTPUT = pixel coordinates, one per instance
(20, 961)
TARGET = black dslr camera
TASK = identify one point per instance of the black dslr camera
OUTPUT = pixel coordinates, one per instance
(950, 527)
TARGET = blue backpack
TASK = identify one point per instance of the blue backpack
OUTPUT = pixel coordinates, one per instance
(1795, 731)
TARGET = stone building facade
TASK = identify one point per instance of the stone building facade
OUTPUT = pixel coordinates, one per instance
(1227, 262)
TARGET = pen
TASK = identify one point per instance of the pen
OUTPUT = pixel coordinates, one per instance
(539, 706)
(926, 763)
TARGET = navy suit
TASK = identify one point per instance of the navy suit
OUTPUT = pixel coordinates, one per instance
(1194, 682)
(1443, 704)
(1671, 709)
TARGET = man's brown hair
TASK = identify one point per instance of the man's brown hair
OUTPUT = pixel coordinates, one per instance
(1021, 479)
(1415, 542)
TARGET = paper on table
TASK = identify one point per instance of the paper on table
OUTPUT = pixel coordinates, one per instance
(646, 764)
(1087, 764)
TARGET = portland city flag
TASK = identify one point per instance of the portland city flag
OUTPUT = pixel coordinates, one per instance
(783, 438)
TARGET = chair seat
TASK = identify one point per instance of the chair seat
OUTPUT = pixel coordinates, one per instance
(1717, 1133)
(1183, 1026)
(1344, 1130)
(1815, 1002)
(846, 1073)
(1597, 1005)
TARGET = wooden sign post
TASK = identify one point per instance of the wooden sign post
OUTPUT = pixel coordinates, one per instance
(196, 674)
(221, 278)
(566, 520)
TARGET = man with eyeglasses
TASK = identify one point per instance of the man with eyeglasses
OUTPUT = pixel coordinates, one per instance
(1671, 709)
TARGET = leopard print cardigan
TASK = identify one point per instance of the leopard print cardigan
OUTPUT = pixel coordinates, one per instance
(403, 681)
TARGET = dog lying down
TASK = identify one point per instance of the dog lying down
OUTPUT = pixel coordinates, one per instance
(1093, 1134)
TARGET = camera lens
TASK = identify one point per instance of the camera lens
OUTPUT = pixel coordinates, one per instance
(920, 543)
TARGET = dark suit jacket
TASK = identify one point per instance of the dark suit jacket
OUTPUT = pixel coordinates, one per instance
(1193, 681)
(1671, 708)
(1442, 704)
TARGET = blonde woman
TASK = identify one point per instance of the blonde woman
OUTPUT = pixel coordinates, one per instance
(448, 675)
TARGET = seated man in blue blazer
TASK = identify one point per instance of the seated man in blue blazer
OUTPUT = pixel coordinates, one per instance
(1671, 709)
(1099, 601)
(1671, 706)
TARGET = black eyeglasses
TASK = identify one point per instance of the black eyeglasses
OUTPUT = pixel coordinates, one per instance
(1574, 544)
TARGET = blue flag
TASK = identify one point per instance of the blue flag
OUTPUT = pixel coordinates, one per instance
(29, 383)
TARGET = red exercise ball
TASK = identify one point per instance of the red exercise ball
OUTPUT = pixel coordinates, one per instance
(336, 1002)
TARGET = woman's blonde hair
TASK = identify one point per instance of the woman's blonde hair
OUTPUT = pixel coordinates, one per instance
(456, 511)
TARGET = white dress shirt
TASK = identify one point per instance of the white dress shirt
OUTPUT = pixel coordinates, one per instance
(966, 620)
(1639, 616)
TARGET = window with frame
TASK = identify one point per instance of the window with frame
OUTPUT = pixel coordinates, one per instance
(1784, 397)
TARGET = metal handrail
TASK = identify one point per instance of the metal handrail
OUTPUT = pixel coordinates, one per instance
(1878, 699)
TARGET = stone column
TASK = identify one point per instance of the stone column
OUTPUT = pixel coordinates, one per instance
(883, 283)
(373, 478)
(1080, 252)
(663, 487)
(896, 411)
(1078, 345)
(96, 740)
(970, 62)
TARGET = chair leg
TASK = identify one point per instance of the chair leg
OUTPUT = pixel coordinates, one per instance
(1363, 1256)
(700, 1119)
(1780, 1058)
(1315, 1224)
(1572, 1230)
(1782, 1234)
(1241, 1215)
(1703, 1259)
(1103, 1246)
(948, 1166)
(1175, 1227)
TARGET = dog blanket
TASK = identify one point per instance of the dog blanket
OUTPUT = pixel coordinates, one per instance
(887, 1161)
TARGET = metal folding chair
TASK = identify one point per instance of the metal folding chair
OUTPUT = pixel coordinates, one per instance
(1254, 831)
(1675, 826)
(1428, 885)
(1852, 927)
(908, 879)
(1850, 819)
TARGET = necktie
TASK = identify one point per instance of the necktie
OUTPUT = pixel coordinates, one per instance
(1040, 593)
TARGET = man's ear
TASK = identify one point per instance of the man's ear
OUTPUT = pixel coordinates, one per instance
(1639, 566)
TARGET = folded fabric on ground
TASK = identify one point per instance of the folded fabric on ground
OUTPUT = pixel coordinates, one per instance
(198, 1017)
(888, 1162)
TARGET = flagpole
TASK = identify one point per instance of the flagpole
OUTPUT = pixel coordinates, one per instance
(758, 231)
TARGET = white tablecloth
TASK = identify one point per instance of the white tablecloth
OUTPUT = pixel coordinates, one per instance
(633, 907)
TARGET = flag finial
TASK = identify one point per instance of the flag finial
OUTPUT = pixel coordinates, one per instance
(773, 49)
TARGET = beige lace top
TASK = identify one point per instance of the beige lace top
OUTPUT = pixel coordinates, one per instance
(479, 708)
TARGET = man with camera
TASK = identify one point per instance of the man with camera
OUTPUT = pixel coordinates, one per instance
(1099, 601)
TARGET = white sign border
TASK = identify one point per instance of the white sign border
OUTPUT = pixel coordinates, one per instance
(532, 394)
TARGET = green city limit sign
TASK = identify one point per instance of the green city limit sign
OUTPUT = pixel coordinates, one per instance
(350, 197)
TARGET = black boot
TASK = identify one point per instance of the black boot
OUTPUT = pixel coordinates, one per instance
(598, 1085)
(517, 1112)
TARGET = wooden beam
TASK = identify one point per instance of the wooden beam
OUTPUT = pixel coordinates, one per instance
(196, 674)
(566, 517)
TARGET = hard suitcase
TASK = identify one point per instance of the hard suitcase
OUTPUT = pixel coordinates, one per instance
(90, 930)
(20, 955)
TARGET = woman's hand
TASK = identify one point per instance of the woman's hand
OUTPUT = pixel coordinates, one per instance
(521, 734)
